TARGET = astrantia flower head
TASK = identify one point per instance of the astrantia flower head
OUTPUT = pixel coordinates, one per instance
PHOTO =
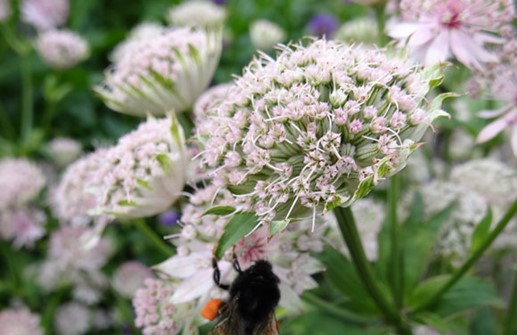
(20, 182)
(317, 128)
(23, 226)
(197, 13)
(72, 318)
(360, 30)
(145, 172)
(265, 34)
(210, 100)
(437, 30)
(63, 150)
(19, 322)
(61, 49)
(163, 73)
(75, 197)
(153, 309)
(45, 14)
(129, 277)
(142, 31)
(503, 87)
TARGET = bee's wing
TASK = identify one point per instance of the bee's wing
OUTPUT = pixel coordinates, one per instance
(229, 324)
(268, 327)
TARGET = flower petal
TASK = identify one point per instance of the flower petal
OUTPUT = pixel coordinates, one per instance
(438, 51)
(491, 130)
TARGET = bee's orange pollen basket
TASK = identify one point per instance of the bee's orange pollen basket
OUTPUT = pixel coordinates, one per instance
(209, 312)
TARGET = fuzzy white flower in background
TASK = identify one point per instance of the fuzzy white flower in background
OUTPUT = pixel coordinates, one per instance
(370, 2)
(129, 277)
(437, 30)
(45, 14)
(72, 318)
(23, 226)
(74, 197)
(62, 49)
(20, 182)
(89, 287)
(369, 216)
(265, 34)
(155, 314)
(63, 151)
(5, 10)
(197, 13)
(142, 31)
(425, 330)
(360, 30)
(19, 322)
(163, 73)
(145, 172)
(317, 128)
(455, 236)
(209, 100)
(503, 88)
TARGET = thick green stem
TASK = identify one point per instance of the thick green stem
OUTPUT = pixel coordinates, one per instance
(395, 253)
(27, 97)
(350, 234)
(50, 309)
(330, 308)
(476, 255)
(381, 23)
(7, 127)
(511, 316)
(158, 242)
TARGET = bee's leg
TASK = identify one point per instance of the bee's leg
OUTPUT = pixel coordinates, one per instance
(217, 275)
(236, 264)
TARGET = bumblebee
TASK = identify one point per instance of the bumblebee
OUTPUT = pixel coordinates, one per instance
(250, 309)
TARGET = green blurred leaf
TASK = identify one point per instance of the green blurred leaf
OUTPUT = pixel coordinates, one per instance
(482, 230)
(219, 210)
(276, 226)
(239, 226)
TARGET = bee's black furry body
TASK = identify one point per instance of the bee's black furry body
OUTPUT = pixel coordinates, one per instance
(254, 294)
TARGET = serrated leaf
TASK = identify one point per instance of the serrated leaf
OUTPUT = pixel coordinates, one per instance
(482, 230)
(219, 210)
(239, 226)
(276, 226)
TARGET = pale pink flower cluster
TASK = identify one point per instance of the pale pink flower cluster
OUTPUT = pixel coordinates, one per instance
(5, 10)
(145, 172)
(317, 128)
(20, 182)
(503, 87)
(62, 49)
(71, 261)
(437, 30)
(265, 34)
(163, 73)
(19, 322)
(72, 318)
(142, 31)
(63, 151)
(203, 13)
(209, 100)
(45, 14)
(154, 311)
(75, 197)
(129, 277)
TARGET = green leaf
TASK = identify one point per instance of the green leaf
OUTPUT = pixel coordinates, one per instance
(484, 322)
(482, 230)
(343, 277)
(164, 161)
(239, 226)
(276, 226)
(219, 210)
(427, 289)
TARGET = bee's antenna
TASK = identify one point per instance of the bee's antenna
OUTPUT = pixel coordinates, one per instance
(217, 275)
(236, 264)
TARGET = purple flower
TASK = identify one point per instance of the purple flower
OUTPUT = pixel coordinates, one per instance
(219, 2)
(169, 218)
(323, 25)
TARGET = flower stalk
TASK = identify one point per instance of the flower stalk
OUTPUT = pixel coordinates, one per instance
(381, 23)
(158, 243)
(347, 226)
(511, 317)
(510, 213)
(395, 252)
(27, 97)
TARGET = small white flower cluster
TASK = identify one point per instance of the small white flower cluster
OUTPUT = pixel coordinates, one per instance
(141, 31)
(129, 277)
(317, 128)
(199, 13)
(361, 30)
(209, 100)
(62, 49)
(5, 10)
(19, 322)
(45, 14)
(70, 261)
(20, 183)
(265, 34)
(63, 151)
(163, 73)
(72, 318)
